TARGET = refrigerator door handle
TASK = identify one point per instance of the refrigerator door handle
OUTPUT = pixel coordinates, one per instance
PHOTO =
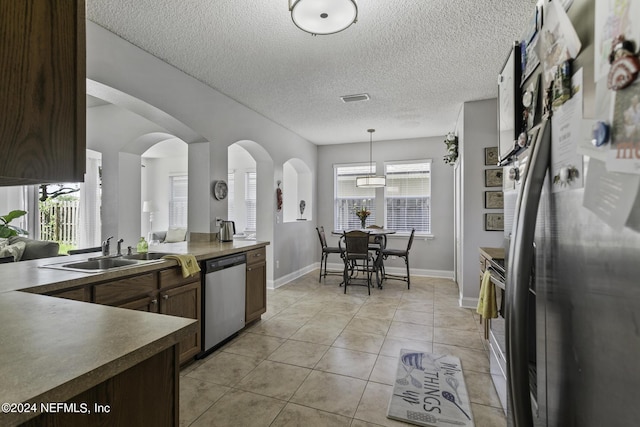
(518, 276)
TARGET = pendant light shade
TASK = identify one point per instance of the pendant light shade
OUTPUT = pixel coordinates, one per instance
(371, 180)
(323, 16)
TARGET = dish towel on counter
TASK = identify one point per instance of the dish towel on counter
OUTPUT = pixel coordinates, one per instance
(487, 306)
(188, 263)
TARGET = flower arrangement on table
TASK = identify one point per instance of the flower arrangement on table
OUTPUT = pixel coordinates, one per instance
(362, 213)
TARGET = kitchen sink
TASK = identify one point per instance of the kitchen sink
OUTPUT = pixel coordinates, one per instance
(145, 256)
(100, 264)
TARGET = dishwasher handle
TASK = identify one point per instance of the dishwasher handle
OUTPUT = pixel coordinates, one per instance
(221, 263)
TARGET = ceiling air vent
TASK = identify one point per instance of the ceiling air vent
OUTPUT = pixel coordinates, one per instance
(355, 98)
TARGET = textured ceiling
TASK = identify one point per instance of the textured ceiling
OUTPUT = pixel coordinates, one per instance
(418, 59)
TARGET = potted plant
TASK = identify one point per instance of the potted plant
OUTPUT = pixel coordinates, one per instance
(451, 142)
(7, 230)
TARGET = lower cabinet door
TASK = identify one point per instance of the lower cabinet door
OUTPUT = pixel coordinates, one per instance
(149, 304)
(256, 293)
(184, 301)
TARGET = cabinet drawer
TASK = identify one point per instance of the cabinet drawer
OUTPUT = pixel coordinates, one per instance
(256, 256)
(77, 294)
(125, 289)
(173, 277)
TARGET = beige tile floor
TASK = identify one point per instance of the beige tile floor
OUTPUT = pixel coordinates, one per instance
(319, 357)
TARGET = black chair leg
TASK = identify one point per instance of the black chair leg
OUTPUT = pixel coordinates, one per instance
(406, 261)
(325, 266)
(345, 280)
(321, 259)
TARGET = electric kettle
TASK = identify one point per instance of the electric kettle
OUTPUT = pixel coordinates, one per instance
(227, 230)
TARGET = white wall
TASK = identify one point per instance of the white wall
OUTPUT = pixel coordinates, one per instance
(432, 257)
(116, 63)
(477, 130)
(110, 130)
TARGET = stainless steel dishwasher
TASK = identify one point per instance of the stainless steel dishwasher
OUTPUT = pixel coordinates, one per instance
(223, 300)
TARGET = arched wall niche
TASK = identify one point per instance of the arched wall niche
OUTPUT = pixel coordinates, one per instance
(296, 187)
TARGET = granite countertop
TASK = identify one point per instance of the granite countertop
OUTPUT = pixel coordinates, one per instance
(52, 349)
(29, 276)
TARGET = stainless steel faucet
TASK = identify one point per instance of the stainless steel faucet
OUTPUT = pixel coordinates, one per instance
(105, 246)
(119, 252)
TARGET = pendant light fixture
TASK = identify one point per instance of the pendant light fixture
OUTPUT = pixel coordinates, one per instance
(323, 16)
(371, 180)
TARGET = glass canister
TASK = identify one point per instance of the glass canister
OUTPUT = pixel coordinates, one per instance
(143, 246)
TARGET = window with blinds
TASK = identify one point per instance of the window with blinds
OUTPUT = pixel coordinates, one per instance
(408, 196)
(178, 201)
(250, 200)
(347, 196)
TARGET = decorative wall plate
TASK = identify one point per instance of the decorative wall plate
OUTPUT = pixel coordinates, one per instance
(220, 189)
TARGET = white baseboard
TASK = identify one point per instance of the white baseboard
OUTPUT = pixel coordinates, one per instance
(280, 281)
(467, 302)
(400, 271)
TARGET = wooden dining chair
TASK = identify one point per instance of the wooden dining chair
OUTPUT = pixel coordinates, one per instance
(326, 250)
(400, 253)
(374, 239)
(377, 242)
(358, 259)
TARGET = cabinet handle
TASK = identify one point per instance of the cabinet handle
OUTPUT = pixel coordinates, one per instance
(165, 296)
(154, 301)
(248, 269)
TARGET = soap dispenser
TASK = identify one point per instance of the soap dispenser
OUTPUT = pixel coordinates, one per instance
(143, 246)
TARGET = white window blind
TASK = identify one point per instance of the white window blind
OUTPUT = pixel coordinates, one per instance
(250, 200)
(408, 196)
(178, 201)
(347, 196)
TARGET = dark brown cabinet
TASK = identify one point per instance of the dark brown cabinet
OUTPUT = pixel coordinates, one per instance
(77, 294)
(42, 82)
(181, 296)
(256, 292)
(147, 394)
(149, 304)
(165, 292)
(122, 291)
(184, 301)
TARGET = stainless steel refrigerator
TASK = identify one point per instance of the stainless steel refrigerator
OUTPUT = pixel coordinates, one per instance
(572, 294)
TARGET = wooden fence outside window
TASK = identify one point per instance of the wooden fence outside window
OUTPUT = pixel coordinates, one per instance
(59, 222)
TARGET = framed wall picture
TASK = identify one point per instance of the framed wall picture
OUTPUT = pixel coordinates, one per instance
(493, 178)
(493, 200)
(491, 156)
(494, 222)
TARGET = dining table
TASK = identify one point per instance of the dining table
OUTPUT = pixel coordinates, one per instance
(380, 243)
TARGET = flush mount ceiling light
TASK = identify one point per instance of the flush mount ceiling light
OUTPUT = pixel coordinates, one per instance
(323, 16)
(371, 180)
